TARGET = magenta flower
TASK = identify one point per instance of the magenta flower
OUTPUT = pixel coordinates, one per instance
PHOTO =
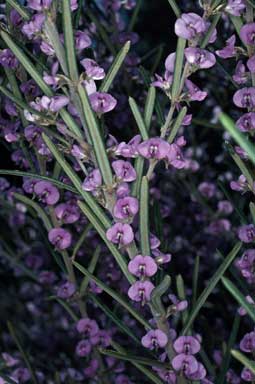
(240, 185)
(121, 234)
(247, 343)
(241, 75)
(141, 291)
(178, 305)
(34, 26)
(60, 238)
(235, 7)
(55, 103)
(189, 26)
(154, 339)
(229, 50)
(87, 327)
(242, 311)
(92, 181)
(247, 375)
(207, 189)
(245, 98)
(185, 363)
(92, 69)
(83, 348)
(175, 157)
(154, 148)
(194, 93)
(199, 374)
(126, 208)
(39, 5)
(187, 344)
(251, 64)
(102, 102)
(124, 170)
(246, 233)
(170, 62)
(246, 123)
(8, 59)
(123, 190)
(247, 33)
(200, 57)
(225, 207)
(142, 266)
(46, 192)
(66, 290)
(82, 40)
(67, 212)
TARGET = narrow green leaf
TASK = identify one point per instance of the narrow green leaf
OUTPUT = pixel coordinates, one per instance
(69, 40)
(81, 240)
(57, 183)
(148, 373)
(114, 295)
(227, 355)
(96, 138)
(65, 305)
(39, 210)
(132, 358)
(239, 297)
(244, 360)
(91, 269)
(144, 217)
(181, 43)
(76, 181)
(53, 36)
(102, 233)
(210, 30)
(252, 210)
(211, 285)
(21, 10)
(237, 22)
(115, 67)
(195, 280)
(177, 124)
(243, 168)
(182, 296)
(111, 315)
(135, 15)
(175, 8)
(22, 352)
(157, 293)
(138, 118)
(139, 165)
(239, 137)
(149, 107)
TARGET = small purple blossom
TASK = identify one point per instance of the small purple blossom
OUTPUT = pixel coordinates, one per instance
(141, 291)
(189, 26)
(60, 238)
(87, 327)
(185, 363)
(102, 102)
(124, 170)
(142, 266)
(46, 192)
(247, 33)
(126, 208)
(92, 69)
(154, 339)
(92, 181)
(246, 233)
(7, 59)
(121, 234)
(154, 148)
(200, 57)
(66, 290)
(188, 345)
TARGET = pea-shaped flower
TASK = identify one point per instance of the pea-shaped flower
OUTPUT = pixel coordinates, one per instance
(60, 238)
(46, 192)
(246, 233)
(92, 181)
(126, 208)
(154, 148)
(142, 266)
(247, 33)
(245, 97)
(87, 327)
(189, 25)
(200, 57)
(141, 291)
(124, 170)
(185, 363)
(154, 339)
(187, 344)
(121, 234)
(102, 102)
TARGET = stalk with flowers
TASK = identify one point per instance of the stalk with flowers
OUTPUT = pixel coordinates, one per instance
(116, 220)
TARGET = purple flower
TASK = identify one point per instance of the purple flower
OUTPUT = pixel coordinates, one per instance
(8, 59)
(124, 170)
(83, 348)
(194, 93)
(82, 40)
(92, 181)
(247, 375)
(87, 327)
(240, 185)
(92, 69)
(200, 57)
(188, 345)
(66, 290)
(207, 189)
(142, 266)
(225, 207)
(67, 212)
(199, 374)
(122, 190)
(126, 208)
(121, 234)
(22, 375)
(141, 291)
(251, 64)
(154, 148)
(55, 103)
(247, 343)
(34, 26)
(246, 233)
(229, 50)
(9, 360)
(60, 238)
(185, 363)
(247, 33)
(46, 192)
(102, 102)
(39, 5)
(47, 277)
(242, 311)
(4, 184)
(189, 25)
(245, 98)
(246, 123)
(178, 305)
(155, 339)
(241, 75)
(235, 7)
(170, 62)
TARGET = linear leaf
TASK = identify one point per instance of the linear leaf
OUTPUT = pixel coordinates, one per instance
(239, 137)
(114, 295)
(182, 296)
(138, 118)
(144, 217)
(115, 67)
(211, 285)
(175, 8)
(136, 359)
(181, 43)
(69, 40)
(244, 360)
(101, 231)
(139, 165)
(76, 181)
(239, 297)
(177, 124)
(53, 36)
(149, 107)
(96, 138)
(91, 269)
(21, 10)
